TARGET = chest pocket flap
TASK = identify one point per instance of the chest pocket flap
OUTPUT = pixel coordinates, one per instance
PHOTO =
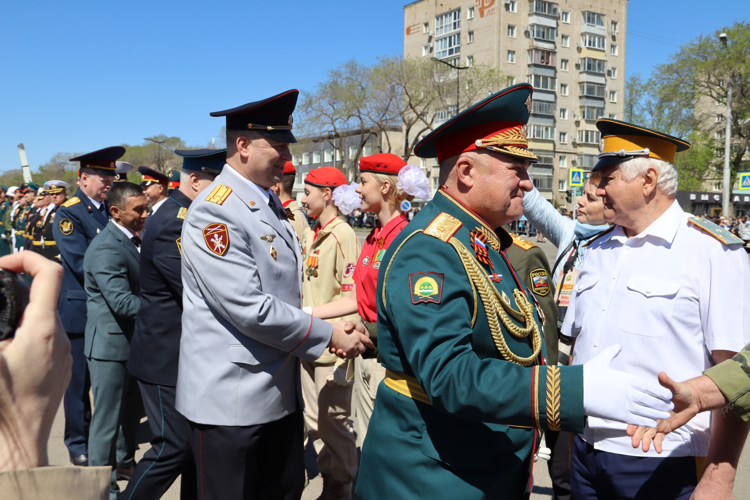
(651, 287)
(241, 355)
(586, 281)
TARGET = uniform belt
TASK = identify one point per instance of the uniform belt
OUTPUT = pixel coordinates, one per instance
(36, 243)
(406, 385)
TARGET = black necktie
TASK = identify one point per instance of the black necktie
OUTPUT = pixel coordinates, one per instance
(272, 204)
(136, 241)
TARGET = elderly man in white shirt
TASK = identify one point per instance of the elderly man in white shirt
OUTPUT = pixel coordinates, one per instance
(673, 290)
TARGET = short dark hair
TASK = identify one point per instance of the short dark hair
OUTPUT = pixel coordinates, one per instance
(121, 191)
(287, 183)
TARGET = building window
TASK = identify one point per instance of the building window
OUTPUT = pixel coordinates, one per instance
(591, 89)
(448, 23)
(316, 157)
(589, 136)
(470, 61)
(614, 27)
(613, 50)
(471, 37)
(328, 155)
(542, 7)
(425, 50)
(443, 114)
(563, 161)
(612, 96)
(612, 116)
(612, 73)
(719, 118)
(542, 82)
(511, 56)
(470, 13)
(512, 6)
(541, 132)
(593, 18)
(565, 17)
(563, 65)
(510, 80)
(543, 108)
(594, 65)
(546, 158)
(423, 163)
(562, 184)
(511, 31)
(587, 161)
(448, 46)
(426, 28)
(718, 135)
(338, 155)
(542, 183)
(563, 89)
(543, 57)
(591, 112)
(593, 41)
(565, 40)
(305, 158)
(563, 137)
(352, 152)
(543, 32)
(563, 113)
(367, 151)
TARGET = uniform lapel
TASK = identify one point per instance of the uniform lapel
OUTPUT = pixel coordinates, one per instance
(123, 239)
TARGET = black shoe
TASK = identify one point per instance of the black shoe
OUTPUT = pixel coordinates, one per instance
(80, 460)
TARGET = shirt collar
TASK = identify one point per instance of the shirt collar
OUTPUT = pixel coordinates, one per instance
(664, 228)
(97, 204)
(124, 230)
(158, 204)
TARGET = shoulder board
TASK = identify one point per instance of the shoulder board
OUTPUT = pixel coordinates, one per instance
(181, 213)
(443, 227)
(717, 232)
(219, 194)
(520, 242)
(606, 231)
(71, 202)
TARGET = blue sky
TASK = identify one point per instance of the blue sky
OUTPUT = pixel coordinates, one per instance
(79, 76)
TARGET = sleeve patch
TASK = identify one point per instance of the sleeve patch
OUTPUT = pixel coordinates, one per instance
(66, 226)
(72, 202)
(349, 269)
(216, 236)
(426, 287)
(539, 281)
(219, 194)
(348, 287)
(181, 213)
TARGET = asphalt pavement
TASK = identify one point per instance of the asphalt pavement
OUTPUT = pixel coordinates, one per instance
(58, 455)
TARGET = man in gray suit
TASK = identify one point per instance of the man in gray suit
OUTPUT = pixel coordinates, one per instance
(111, 269)
(243, 332)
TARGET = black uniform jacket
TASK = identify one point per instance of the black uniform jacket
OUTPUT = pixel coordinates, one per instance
(155, 347)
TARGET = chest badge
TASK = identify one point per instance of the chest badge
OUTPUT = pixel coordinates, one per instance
(273, 252)
(312, 264)
(268, 238)
(365, 261)
(216, 236)
(539, 281)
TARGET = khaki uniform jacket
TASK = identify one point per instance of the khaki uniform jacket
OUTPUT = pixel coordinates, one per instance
(299, 223)
(732, 377)
(328, 272)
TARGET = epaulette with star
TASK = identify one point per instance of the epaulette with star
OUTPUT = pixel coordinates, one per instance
(716, 231)
(71, 202)
(219, 194)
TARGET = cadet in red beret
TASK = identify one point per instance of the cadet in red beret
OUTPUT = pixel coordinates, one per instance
(387, 187)
(330, 252)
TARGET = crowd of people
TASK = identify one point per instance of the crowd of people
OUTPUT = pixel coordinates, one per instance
(445, 351)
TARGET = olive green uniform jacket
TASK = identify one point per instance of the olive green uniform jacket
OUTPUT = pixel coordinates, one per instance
(732, 377)
(473, 430)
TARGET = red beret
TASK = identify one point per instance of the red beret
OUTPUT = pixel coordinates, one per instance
(326, 177)
(289, 168)
(382, 163)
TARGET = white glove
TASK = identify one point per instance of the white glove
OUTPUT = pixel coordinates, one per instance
(616, 395)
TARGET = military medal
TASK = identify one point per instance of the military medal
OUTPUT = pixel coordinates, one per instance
(273, 252)
(497, 278)
(268, 238)
(479, 244)
(312, 264)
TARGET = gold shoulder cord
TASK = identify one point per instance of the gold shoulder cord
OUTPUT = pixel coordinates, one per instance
(495, 306)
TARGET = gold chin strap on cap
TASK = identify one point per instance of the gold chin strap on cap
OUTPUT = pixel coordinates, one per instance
(255, 126)
(496, 306)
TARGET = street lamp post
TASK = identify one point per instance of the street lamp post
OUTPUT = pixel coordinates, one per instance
(458, 77)
(726, 188)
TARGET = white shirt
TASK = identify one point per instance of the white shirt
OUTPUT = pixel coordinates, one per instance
(669, 296)
(158, 204)
(97, 204)
(127, 233)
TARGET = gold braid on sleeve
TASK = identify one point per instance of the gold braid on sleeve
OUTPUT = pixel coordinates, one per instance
(495, 307)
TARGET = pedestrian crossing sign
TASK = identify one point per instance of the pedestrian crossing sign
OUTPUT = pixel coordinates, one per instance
(744, 181)
(576, 177)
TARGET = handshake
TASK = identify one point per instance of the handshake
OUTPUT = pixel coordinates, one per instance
(349, 339)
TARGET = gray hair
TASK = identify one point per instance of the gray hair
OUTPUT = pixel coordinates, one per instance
(121, 191)
(665, 171)
(185, 176)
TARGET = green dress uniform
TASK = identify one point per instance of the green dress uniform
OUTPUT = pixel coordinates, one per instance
(732, 377)
(468, 385)
(5, 230)
(19, 224)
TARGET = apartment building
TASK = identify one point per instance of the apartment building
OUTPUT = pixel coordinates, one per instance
(572, 52)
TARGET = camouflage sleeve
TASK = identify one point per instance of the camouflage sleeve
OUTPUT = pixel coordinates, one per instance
(732, 377)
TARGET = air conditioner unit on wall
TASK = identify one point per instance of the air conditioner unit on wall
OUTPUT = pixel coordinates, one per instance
(574, 143)
(574, 160)
(527, 30)
(578, 62)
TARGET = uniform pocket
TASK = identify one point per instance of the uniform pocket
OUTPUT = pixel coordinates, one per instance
(647, 305)
(457, 453)
(242, 355)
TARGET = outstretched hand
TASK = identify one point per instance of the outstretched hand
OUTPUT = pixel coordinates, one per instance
(349, 339)
(35, 367)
